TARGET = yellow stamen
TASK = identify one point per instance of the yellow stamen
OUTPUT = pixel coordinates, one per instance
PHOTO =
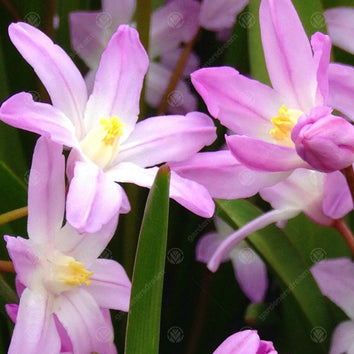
(76, 274)
(284, 123)
(113, 127)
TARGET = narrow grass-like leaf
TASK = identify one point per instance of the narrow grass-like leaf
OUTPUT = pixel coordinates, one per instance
(143, 329)
(291, 270)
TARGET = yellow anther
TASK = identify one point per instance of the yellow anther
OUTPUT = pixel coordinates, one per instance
(76, 274)
(114, 129)
(284, 123)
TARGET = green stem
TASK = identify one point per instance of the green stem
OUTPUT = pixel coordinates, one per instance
(13, 215)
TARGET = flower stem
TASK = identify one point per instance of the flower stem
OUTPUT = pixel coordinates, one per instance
(349, 176)
(7, 266)
(341, 226)
(13, 215)
(176, 75)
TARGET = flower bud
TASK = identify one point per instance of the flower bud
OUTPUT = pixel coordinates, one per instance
(323, 140)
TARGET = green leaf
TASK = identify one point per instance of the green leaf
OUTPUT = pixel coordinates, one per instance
(143, 329)
(291, 271)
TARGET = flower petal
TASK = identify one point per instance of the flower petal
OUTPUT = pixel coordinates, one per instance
(87, 36)
(250, 271)
(85, 247)
(218, 15)
(46, 191)
(343, 338)
(243, 105)
(223, 176)
(262, 221)
(55, 69)
(93, 199)
(21, 111)
(83, 320)
(340, 27)
(119, 80)
(336, 281)
(341, 88)
(167, 138)
(35, 330)
(120, 11)
(288, 53)
(12, 311)
(206, 246)
(110, 285)
(23, 257)
(321, 45)
(173, 24)
(244, 342)
(189, 194)
(337, 200)
(181, 100)
(264, 156)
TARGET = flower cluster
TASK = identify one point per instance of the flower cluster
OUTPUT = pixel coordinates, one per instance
(292, 143)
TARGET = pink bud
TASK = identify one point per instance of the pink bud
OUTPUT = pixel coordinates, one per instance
(323, 140)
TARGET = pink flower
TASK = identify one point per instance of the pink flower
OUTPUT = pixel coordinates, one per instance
(108, 144)
(335, 277)
(263, 117)
(245, 342)
(250, 270)
(65, 289)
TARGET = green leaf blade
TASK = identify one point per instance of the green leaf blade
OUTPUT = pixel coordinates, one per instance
(143, 329)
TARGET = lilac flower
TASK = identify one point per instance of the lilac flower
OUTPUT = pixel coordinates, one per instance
(340, 25)
(263, 117)
(245, 342)
(335, 278)
(302, 191)
(171, 25)
(65, 290)
(250, 271)
(108, 145)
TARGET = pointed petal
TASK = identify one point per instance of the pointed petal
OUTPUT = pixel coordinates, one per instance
(336, 281)
(172, 24)
(341, 88)
(343, 338)
(83, 320)
(181, 100)
(12, 311)
(87, 36)
(259, 223)
(337, 200)
(288, 53)
(167, 138)
(244, 342)
(110, 285)
(251, 273)
(119, 80)
(85, 247)
(264, 156)
(189, 194)
(46, 191)
(321, 45)
(223, 176)
(93, 198)
(35, 330)
(218, 15)
(340, 27)
(21, 111)
(23, 257)
(243, 105)
(56, 70)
